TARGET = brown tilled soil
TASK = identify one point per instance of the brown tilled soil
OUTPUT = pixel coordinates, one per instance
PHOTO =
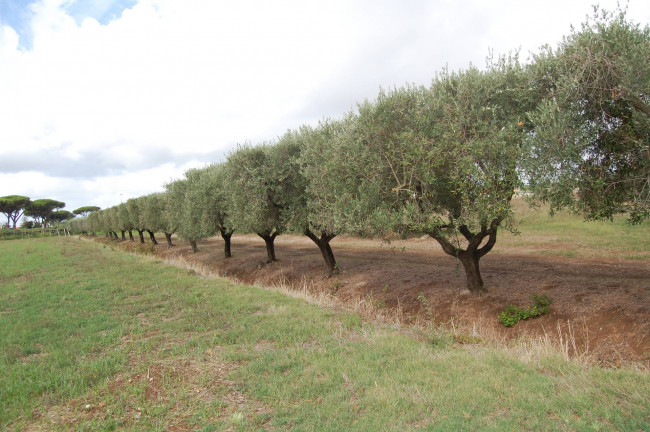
(601, 307)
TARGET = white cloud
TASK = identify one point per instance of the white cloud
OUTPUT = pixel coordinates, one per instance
(177, 79)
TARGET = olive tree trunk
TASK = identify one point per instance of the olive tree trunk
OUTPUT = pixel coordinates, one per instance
(323, 243)
(471, 255)
(226, 235)
(152, 237)
(470, 261)
(269, 239)
(168, 236)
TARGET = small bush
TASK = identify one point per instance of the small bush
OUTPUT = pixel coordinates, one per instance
(146, 248)
(466, 339)
(424, 301)
(513, 314)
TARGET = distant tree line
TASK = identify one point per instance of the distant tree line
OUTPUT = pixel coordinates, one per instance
(41, 212)
(571, 127)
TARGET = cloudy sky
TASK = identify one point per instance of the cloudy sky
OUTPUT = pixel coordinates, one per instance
(103, 100)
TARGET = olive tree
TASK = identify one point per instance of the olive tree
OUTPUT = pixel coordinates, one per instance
(142, 208)
(156, 218)
(134, 207)
(590, 149)
(440, 160)
(124, 221)
(111, 221)
(311, 212)
(471, 173)
(287, 191)
(214, 205)
(100, 222)
(79, 225)
(197, 222)
(185, 208)
(251, 188)
(94, 222)
(175, 206)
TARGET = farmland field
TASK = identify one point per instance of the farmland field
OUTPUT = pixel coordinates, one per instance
(96, 339)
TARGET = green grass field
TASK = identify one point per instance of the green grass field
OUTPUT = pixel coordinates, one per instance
(96, 339)
(569, 235)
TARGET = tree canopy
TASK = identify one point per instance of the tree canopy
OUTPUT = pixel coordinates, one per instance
(125, 220)
(214, 205)
(155, 215)
(198, 222)
(135, 216)
(590, 150)
(13, 207)
(440, 160)
(59, 216)
(41, 209)
(184, 212)
(254, 197)
(86, 210)
(327, 184)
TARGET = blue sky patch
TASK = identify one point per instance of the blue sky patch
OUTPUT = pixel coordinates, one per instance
(103, 11)
(17, 14)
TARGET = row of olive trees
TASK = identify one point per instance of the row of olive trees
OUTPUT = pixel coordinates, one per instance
(443, 160)
(144, 215)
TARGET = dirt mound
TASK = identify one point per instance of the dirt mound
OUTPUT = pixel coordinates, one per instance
(600, 306)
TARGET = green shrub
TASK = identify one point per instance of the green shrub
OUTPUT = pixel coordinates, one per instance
(513, 314)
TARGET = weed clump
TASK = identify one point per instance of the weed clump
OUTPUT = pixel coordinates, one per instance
(513, 314)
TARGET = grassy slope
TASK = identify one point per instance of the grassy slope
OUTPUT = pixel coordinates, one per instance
(569, 235)
(94, 339)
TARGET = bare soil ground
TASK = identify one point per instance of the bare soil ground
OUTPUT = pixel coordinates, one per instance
(601, 306)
